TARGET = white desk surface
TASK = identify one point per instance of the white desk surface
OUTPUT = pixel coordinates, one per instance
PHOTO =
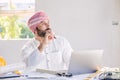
(50, 77)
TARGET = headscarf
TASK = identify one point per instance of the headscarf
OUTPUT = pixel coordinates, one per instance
(36, 19)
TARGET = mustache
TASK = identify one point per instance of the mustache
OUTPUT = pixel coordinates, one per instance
(48, 29)
(42, 33)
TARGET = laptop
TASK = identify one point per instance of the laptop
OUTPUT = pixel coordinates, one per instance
(81, 62)
(86, 61)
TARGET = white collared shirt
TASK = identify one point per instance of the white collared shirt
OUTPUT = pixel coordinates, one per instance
(56, 55)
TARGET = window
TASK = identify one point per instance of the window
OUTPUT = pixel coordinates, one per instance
(13, 18)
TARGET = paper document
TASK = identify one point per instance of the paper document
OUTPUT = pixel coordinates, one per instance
(9, 75)
(12, 67)
(38, 75)
(50, 71)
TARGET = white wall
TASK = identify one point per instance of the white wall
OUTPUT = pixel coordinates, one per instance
(116, 32)
(11, 50)
(87, 24)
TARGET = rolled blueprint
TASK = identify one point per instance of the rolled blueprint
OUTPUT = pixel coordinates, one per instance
(12, 67)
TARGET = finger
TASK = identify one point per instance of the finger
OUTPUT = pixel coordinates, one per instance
(49, 35)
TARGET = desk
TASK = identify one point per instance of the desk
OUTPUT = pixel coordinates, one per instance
(51, 77)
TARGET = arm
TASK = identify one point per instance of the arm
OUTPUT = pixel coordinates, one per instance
(32, 50)
(29, 53)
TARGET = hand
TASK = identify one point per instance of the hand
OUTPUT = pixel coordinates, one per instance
(44, 40)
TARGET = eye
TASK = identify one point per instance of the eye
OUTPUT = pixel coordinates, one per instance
(41, 23)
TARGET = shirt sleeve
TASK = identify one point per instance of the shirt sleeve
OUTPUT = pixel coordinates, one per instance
(29, 54)
(67, 51)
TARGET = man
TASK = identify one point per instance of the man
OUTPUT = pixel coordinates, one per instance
(46, 50)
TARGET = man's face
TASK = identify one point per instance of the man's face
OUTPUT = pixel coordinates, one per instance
(43, 28)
